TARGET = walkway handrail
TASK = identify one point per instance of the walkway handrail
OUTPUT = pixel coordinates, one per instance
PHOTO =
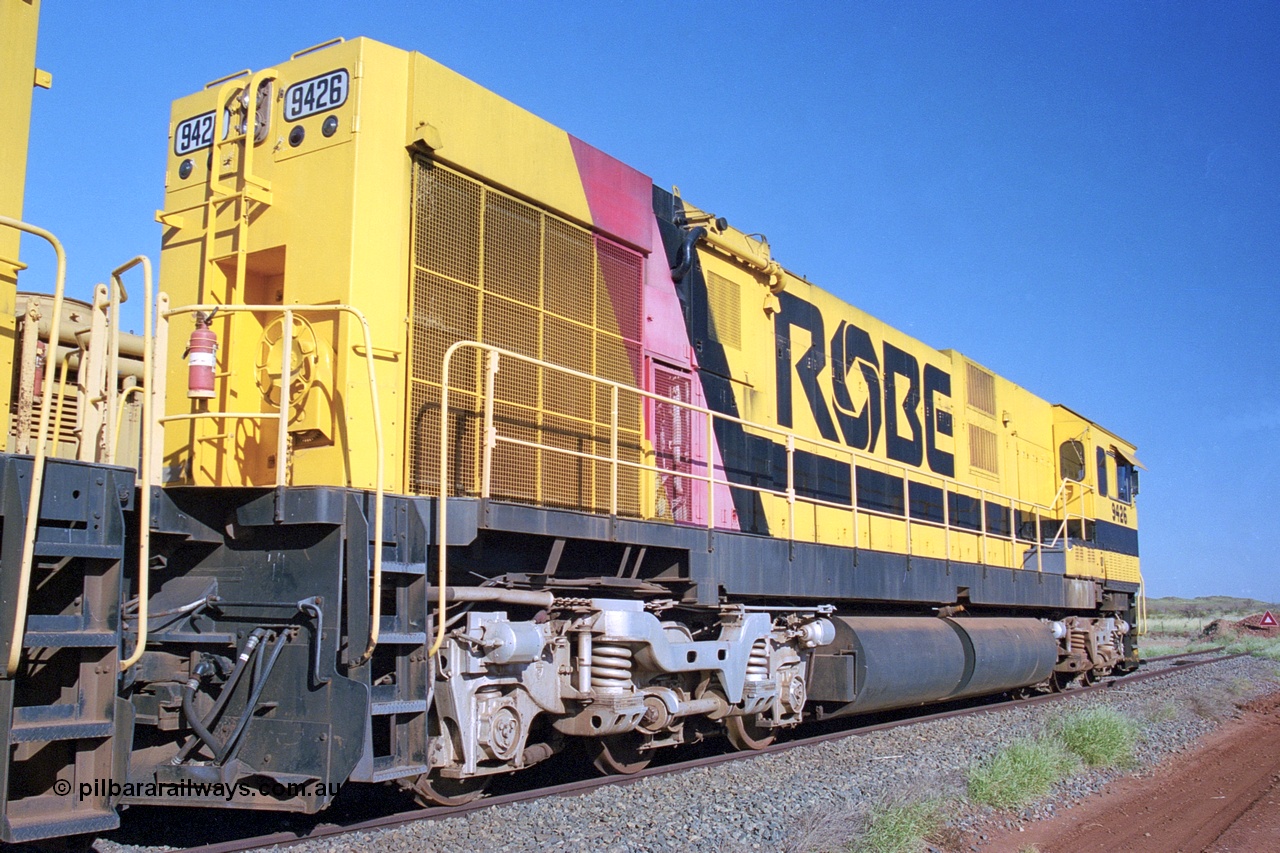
(37, 467)
(282, 440)
(491, 438)
(144, 474)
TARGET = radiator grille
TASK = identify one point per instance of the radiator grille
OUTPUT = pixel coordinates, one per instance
(982, 390)
(492, 268)
(984, 451)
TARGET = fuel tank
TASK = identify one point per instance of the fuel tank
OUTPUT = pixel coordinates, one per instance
(882, 662)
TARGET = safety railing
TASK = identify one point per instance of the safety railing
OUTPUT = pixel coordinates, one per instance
(37, 467)
(282, 417)
(707, 476)
(144, 473)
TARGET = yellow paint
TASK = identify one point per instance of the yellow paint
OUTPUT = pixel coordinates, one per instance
(19, 20)
(1004, 439)
(330, 219)
(327, 221)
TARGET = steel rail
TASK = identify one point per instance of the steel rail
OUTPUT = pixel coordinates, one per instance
(581, 786)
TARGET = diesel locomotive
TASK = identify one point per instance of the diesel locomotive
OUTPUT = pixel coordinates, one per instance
(451, 443)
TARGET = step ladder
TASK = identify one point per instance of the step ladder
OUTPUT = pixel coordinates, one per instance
(398, 679)
(63, 718)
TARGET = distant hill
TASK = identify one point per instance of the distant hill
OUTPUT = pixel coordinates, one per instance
(1207, 605)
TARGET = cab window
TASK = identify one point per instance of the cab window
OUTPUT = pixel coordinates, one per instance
(1124, 481)
(1071, 460)
(1102, 472)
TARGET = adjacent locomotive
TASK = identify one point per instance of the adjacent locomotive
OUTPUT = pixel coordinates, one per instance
(463, 444)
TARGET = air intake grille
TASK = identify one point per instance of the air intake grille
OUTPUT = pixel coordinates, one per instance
(984, 449)
(982, 390)
(724, 322)
(492, 268)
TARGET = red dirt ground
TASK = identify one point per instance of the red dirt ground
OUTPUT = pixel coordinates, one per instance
(1249, 626)
(1223, 797)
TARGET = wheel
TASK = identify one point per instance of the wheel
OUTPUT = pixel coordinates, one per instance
(439, 791)
(746, 736)
(1061, 681)
(620, 754)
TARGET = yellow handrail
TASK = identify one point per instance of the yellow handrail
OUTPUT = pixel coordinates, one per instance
(144, 474)
(491, 438)
(124, 401)
(287, 312)
(37, 467)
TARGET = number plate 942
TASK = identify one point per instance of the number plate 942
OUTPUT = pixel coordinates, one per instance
(193, 134)
(316, 95)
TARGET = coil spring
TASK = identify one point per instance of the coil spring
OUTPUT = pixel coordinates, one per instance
(758, 660)
(1079, 641)
(610, 667)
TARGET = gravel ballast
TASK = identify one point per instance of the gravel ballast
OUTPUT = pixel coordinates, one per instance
(815, 798)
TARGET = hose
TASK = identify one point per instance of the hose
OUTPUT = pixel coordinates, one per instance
(684, 259)
(250, 705)
(250, 647)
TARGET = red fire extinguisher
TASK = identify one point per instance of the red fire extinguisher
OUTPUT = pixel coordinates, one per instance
(202, 357)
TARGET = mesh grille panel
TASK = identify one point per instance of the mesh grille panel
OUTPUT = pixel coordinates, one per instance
(983, 449)
(445, 312)
(447, 224)
(618, 294)
(673, 444)
(512, 249)
(982, 390)
(513, 326)
(725, 323)
(492, 268)
(515, 467)
(569, 273)
(466, 424)
(563, 345)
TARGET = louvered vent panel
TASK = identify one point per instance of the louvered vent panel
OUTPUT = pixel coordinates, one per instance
(982, 390)
(536, 285)
(725, 322)
(984, 450)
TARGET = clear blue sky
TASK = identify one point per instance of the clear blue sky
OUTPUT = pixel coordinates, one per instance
(1082, 196)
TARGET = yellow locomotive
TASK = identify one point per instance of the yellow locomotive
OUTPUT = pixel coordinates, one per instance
(459, 442)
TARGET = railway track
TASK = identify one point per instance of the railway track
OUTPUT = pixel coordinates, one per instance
(1165, 665)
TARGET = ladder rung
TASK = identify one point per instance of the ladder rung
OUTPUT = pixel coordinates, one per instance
(40, 732)
(392, 638)
(400, 706)
(404, 568)
(19, 828)
(70, 639)
(77, 549)
(396, 771)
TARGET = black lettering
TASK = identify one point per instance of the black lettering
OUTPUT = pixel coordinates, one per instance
(797, 312)
(899, 363)
(849, 346)
(937, 383)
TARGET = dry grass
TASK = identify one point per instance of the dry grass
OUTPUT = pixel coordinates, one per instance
(1020, 773)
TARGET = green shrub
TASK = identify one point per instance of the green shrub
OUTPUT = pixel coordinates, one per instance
(899, 827)
(1020, 773)
(1100, 736)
